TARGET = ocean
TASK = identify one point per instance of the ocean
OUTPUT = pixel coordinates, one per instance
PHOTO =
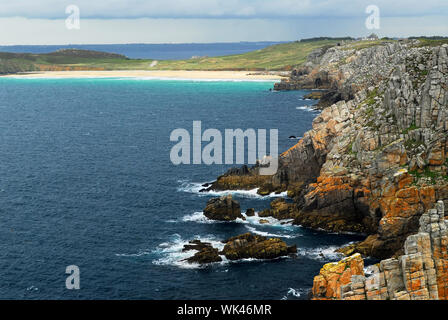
(163, 51)
(86, 180)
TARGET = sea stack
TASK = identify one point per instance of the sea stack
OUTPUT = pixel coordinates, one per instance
(223, 209)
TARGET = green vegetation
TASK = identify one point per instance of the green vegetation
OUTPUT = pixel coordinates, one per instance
(430, 41)
(281, 57)
(327, 38)
(277, 57)
(358, 45)
(411, 128)
(412, 144)
(427, 173)
(371, 97)
(350, 149)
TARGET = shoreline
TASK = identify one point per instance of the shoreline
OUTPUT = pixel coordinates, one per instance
(155, 75)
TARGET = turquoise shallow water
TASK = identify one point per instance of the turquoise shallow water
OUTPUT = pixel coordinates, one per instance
(86, 179)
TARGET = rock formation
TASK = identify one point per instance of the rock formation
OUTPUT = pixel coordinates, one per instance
(250, 212)
(420, 274)
(223, 209)
(280, 209)
(253, 246)
(205, 252)
(244, 246)
(243, 178)
(376, 160)
(327, 285)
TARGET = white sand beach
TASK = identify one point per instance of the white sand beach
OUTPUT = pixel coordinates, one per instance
(162, 74)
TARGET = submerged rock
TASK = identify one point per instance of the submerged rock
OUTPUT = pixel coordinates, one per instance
(223, 209)
(247, 246)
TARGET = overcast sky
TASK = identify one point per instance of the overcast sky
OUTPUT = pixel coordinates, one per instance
(166, 21)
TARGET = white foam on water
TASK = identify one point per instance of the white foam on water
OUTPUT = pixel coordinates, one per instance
(138, 254)
(199, 217)
(307, 108)
(268, 234)
(171, 252)
(272, 222)
(32, 288)
(321, 253)
(297, 293)
(194, 187)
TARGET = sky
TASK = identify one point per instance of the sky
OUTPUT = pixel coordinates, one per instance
(202, 21)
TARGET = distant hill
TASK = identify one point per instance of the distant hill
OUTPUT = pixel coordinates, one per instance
(276, 57)
(78, 53)
(326, 38)
(279, 57)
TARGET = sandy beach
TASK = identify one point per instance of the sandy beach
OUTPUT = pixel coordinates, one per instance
(206, 75)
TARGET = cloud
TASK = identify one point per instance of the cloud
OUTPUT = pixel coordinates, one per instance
(219, 9)
(96, 31)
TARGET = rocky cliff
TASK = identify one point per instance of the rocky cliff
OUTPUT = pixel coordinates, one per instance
(376, 160)
(420, 274)
(379, 159)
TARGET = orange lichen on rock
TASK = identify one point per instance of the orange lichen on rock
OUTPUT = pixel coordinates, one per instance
(421, 273)
(327, 285)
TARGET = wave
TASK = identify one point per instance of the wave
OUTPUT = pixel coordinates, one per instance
(307, 108)
(170, 253)
(194, 187)
(268, 234)
(138, 254)
(296, 293)
(324, 253)
(199, 217)
(32, 288)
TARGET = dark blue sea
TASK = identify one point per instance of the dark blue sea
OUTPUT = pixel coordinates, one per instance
(86, 179)
(161, 51)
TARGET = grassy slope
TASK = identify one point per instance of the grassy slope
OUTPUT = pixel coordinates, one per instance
(276, 57)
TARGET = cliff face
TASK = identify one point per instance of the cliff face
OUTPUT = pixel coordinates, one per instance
(420, 274)
(377, 161)
(342, 70)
